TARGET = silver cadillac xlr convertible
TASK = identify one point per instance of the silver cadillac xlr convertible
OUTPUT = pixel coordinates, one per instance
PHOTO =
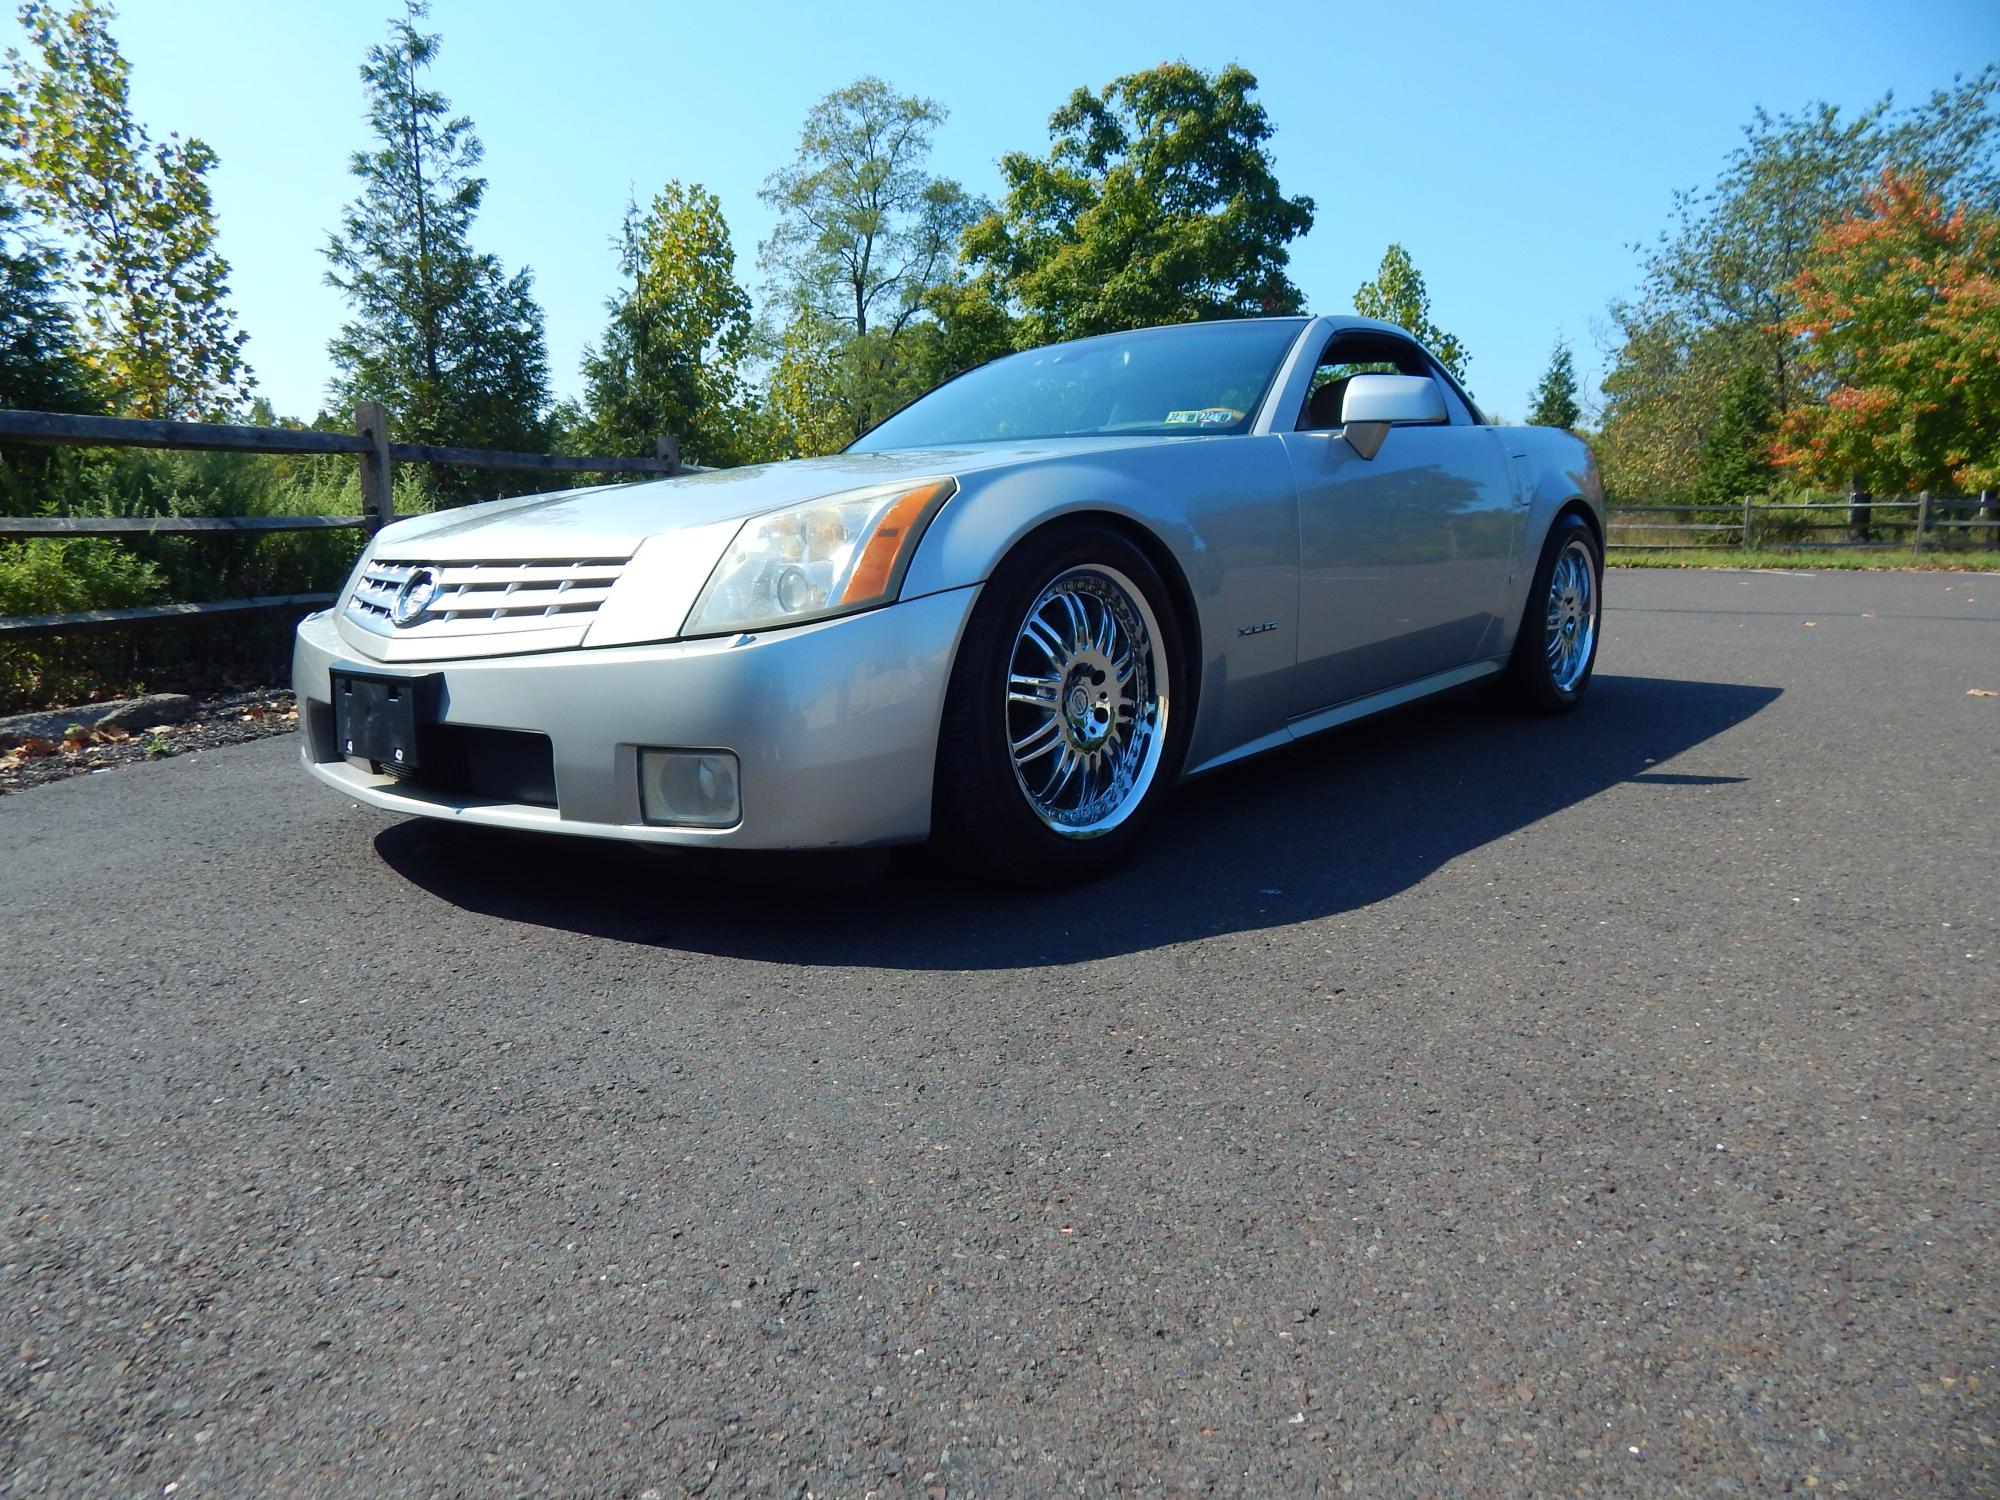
(1009, 617)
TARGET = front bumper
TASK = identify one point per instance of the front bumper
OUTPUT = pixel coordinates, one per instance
(835, 726)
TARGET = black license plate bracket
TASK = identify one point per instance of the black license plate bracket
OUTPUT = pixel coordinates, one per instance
(384, 719)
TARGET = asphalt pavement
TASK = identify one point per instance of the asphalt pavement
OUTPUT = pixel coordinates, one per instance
(1455, 1105)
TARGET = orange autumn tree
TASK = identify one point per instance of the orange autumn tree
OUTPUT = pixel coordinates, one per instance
(1899, 323)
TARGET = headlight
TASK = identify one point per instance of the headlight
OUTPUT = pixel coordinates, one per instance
(830, 557)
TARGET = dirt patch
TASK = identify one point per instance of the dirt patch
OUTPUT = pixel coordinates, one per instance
(222, 719)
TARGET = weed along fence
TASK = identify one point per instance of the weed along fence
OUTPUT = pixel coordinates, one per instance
(369, 444)
(1921, 522)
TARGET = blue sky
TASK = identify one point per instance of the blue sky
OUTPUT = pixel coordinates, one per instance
(1519, 150)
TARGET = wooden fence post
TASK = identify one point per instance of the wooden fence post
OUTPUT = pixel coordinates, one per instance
(1743, 537)
(1991, 516)
(378, 493)
(668, 447)
(1923, 520)
(1858, 511)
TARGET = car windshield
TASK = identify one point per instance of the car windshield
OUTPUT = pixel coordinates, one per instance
(1195, 378)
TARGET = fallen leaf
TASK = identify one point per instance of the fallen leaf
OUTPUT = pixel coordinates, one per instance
(1981, 693)
(112, 735)
(9, 761)
(33, 749)
(1811, 623)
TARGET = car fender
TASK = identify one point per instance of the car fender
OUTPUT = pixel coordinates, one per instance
(1226, 512)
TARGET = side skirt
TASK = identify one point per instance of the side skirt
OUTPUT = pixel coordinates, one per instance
(1388, 698)
(1353, 709)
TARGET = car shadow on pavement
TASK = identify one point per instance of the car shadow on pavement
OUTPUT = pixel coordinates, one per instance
(1336, 823)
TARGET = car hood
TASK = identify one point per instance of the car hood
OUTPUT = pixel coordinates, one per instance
(611, 521)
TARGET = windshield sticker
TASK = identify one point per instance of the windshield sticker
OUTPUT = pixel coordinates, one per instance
(1207, 416)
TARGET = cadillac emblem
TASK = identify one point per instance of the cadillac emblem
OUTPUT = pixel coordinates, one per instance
(414, 597)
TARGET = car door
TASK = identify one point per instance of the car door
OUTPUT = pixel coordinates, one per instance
(1403, 557)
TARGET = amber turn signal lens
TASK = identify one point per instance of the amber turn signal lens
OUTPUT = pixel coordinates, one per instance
(876, 568)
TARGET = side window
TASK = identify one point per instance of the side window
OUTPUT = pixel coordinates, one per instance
(1359, 353)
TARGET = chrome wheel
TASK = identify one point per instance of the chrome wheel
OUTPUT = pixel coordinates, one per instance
(1087, 701)
(1571, 615)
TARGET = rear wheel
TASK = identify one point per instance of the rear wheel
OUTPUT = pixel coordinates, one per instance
(1556, 649)
(1063, 721)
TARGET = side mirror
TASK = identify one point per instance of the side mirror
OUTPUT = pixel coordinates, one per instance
(1372, 402)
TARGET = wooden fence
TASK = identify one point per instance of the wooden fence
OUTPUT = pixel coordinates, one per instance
(1921, 522)
(1926, 520)
(369, 443)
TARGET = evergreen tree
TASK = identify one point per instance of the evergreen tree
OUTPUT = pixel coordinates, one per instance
(1398, 295)
(1735, 456)
(440, 334)
(1554, 403)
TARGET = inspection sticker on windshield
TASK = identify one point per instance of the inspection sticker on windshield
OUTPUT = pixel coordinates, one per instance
(1207, 416)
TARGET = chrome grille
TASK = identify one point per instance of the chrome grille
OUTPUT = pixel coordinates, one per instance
(487, 598)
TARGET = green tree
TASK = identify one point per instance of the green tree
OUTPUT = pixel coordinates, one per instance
(968, 325)
(1899, 318)
(438, 332)
(865, 235)
(824, 385)
(1735, 455)
(864, 230)
(1721, 285)
(1735, 249)
(137, 213)
(802, 415)
(41, 368)
(671, 358)
(1157, 203)
(1660, 396)
(1398, 295)
(1554, 402)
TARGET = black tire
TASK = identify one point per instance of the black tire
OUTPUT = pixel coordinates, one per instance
(982, 810)
(1531, 682)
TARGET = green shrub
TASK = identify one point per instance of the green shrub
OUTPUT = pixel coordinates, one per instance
(43, 576)
(64, 575)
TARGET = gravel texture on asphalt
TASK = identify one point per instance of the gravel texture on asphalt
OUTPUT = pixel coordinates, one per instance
(1456, 1105)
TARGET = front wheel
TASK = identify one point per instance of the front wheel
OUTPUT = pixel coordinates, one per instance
(1556, 648)
(1064, 719)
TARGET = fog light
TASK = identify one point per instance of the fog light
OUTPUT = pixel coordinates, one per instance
(692, 788)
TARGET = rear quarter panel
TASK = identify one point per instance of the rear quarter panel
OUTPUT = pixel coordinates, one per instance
(1555, 469)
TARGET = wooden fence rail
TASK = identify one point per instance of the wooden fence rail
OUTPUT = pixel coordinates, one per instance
(1862, 515)
(369, 444)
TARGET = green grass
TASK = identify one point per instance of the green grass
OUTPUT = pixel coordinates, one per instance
(1813, 559)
